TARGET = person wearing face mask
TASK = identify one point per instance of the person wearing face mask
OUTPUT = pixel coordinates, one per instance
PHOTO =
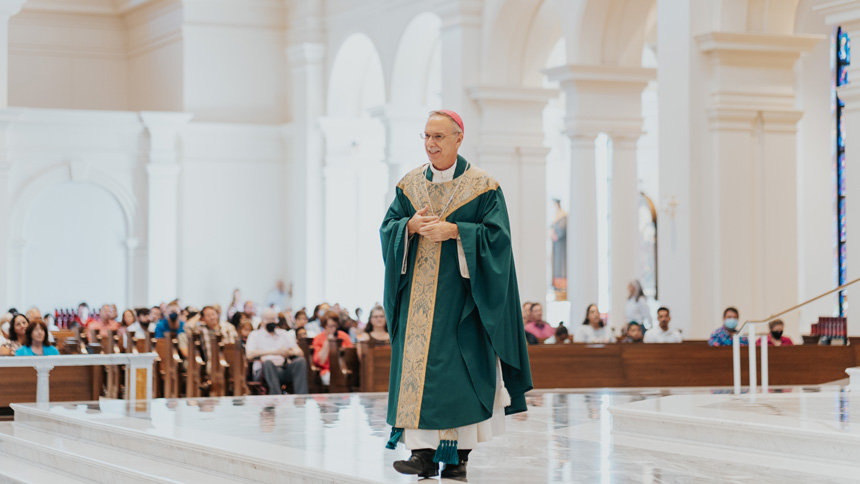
(277, 358)
(723, 335)
(775, 337)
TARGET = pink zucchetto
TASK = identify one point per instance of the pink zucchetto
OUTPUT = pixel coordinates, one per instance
(456, 117)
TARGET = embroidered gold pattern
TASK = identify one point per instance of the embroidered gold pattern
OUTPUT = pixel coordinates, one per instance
(449, 434)
(419, 323)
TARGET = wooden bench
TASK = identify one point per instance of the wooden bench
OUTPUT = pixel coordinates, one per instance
(650, 365)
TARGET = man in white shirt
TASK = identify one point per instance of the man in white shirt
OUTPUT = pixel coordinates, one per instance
(663, 334)
(140, 328)
(277, 358)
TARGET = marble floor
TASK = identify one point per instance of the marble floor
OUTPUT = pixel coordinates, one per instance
(566, 436)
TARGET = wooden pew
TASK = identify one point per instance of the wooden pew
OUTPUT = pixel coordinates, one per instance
(146, 345)
(314, 381)
(216, 365)
(113, 376)
(235, 356)
(375, 366)
(337, 383)
(194, 365)
(169, 365)
(351, 368)
(651, 365)
(67, 384)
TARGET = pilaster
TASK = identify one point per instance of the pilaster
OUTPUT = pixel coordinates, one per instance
(602, 99)
(162, 170)
(510, 145)
(752, 218)
(8, 8)
(461, 40)
(305, 55)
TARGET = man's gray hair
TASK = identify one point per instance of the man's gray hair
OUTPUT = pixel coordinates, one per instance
(269, 314)
(456, 126)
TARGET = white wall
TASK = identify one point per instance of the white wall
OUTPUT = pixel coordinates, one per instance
(816, 198)
(75, 250)
(232, 201)
(67, 61)
(234, 74)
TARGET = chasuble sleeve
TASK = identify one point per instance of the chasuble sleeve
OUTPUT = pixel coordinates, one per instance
(394, 253)
(493, 281)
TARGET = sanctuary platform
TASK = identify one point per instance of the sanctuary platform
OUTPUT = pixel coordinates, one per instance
(566, 436)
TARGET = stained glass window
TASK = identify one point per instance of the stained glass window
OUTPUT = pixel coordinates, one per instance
(843, 59)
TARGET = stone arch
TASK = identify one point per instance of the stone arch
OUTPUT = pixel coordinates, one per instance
(356, 80)
(512, 44)
(30, 194)
(413, 70)
(612, 32)
(75, 171)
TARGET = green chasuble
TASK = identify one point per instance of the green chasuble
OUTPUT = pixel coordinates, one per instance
(446, 330)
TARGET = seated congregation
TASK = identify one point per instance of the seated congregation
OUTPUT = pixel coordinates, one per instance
(252, 350)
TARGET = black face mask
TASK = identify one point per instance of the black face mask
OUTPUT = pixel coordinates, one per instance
(776, 334)
(270, 327)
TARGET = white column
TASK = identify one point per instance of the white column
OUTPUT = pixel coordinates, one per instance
(131, 246)
(163, 208)
(8, 8)
(460, 37)
(305, 215)
(599, 99)
(680, 74)
(624, 223)
(404, 150)
(6, 279)
(582, 276)
(43, 384)
(749, 201)
(511, 148)
(847, 15)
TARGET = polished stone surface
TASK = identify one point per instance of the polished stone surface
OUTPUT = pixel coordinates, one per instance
(564, 437)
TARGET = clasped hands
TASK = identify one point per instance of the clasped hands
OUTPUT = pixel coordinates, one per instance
(431, 227)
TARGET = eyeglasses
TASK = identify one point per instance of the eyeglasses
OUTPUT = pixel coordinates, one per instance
(435, 137)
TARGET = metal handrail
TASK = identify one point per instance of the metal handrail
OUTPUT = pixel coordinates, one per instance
(736, 345)
(796, 307)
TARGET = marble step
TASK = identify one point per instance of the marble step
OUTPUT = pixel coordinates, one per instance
(161, 471)
(19, 471)
(200, 451)
(72, 465)
(810, 429)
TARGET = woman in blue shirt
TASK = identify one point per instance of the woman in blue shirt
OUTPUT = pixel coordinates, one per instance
(36, 341)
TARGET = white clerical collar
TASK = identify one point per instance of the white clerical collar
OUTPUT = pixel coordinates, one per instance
(446, 175)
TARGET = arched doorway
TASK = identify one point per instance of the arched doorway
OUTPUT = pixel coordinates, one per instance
(355, 176)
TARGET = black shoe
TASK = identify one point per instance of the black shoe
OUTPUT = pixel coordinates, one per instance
(457, 471)
(420, 463)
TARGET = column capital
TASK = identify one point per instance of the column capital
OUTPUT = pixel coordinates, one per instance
(164, 129)
(306, 53)
(306, 19)
(600, 77)
(756, 50)
(841, 12)
(511, 116)
(456, 13)
(9, 8)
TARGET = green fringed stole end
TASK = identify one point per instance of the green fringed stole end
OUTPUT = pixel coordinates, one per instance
(447, 453)
(396, 434)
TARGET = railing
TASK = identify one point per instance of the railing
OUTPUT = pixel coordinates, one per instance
(736, 344)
